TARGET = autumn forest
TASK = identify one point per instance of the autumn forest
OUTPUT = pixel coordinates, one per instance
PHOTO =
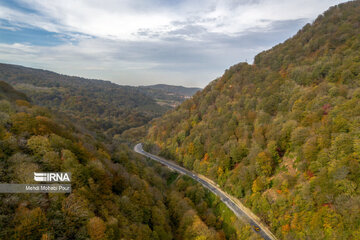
(282, 135)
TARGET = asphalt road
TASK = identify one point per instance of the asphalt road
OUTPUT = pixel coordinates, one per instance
(239, 210)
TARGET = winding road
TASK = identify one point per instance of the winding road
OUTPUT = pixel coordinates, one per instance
(233, 204)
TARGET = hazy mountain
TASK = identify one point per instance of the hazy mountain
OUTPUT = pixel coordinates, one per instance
(178, 90)
(169, 95)
(283, 134)
(100, 105)
(113, 107)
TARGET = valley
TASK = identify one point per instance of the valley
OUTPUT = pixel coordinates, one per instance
(239, 210)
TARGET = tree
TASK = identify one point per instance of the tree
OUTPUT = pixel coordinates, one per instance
(264, 164)
(39, 145)
(298, 136)
(259, 184)
(310, 149)
(96, 228)
(76, 206)
(69, 160)
(239, 152)
(52, 161)
(29, 224)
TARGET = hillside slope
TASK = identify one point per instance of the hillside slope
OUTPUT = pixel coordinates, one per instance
(100, 105)
(9, 93)
(168, 95)
(283, 134)
(115, 194)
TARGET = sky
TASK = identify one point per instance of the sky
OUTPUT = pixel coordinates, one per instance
(144, 42)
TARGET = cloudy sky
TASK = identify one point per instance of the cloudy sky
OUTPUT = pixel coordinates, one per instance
(142, 42)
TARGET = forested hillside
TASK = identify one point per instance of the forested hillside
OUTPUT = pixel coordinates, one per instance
(177, 90)
(168, 95)
(115, 194)
(100, 105)
(283, 134)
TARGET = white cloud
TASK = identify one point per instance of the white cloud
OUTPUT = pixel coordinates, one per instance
(125, 19)
(161, 41)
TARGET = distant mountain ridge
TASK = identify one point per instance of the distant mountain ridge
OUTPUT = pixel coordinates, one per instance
(180, 90)
(169, 95)
(113, 107)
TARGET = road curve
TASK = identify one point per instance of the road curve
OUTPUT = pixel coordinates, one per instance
(233, 204)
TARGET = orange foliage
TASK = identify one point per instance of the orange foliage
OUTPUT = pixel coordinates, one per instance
(285, 228)
(283, 73)
(22, 103)
(220, 171)
(206, 157)
(96, 228)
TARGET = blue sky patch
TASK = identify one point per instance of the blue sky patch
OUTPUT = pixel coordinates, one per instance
(13, 34)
